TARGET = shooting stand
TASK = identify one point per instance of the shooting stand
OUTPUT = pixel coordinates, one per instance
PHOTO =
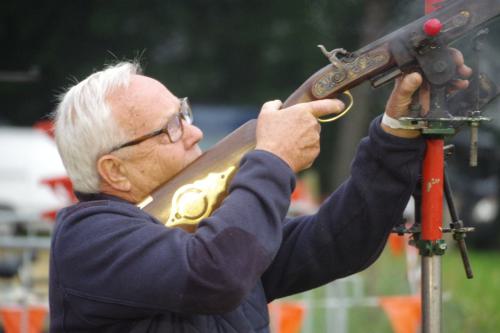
(427, 233)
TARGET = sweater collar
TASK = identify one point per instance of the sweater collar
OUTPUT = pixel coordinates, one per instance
(97, 196)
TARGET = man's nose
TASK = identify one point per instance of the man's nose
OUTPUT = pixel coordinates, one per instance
(192, 134)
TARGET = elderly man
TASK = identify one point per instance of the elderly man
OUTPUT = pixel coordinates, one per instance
(114, 268)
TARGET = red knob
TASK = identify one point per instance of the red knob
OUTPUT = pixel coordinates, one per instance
(432, 27)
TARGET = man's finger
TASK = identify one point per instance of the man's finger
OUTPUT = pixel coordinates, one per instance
(325, 107)
(458, 58)
(464, 71)
(459, 84)
(272, 105)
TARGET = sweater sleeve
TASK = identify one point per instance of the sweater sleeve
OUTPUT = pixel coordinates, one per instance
(116, 260)
(349, 231)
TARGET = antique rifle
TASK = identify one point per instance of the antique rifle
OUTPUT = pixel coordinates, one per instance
(198, 190)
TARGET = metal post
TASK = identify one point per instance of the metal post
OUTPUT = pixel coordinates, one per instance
(431, 294)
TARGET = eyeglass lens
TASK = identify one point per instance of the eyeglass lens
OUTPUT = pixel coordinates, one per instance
(174, 128)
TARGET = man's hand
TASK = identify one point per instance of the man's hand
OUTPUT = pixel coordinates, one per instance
(293, 133)
(401, 97)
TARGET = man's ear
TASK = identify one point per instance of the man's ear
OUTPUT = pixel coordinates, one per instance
(114, 173)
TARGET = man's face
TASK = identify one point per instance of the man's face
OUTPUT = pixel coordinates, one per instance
(143, 107)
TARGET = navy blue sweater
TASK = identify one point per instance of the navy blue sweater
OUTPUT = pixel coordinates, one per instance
(114, 268)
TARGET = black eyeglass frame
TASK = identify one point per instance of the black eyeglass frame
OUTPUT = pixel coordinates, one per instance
(185, 113)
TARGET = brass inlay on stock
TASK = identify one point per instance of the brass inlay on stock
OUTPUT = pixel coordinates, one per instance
(193, 202)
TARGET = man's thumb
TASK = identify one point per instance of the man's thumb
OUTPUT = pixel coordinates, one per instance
(401, 96)
(409, 85)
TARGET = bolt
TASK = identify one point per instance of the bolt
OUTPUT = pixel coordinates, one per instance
(440, 66)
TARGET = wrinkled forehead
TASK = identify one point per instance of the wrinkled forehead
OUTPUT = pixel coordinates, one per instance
(144, 105)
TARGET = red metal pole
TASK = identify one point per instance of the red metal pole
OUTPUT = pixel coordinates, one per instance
(432, 190)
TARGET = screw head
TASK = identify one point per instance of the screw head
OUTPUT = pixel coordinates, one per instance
(440, 66)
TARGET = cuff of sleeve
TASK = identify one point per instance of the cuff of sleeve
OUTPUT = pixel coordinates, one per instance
(275, 164)
(395, 123)
(378, 132)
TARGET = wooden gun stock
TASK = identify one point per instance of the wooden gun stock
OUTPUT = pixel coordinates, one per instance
(198, 190)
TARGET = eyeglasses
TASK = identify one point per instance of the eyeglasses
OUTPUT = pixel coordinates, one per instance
(174, 128)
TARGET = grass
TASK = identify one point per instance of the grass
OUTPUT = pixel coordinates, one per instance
(474, 304)
(468, 306)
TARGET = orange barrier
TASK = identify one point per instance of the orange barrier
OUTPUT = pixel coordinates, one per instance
(404, 312)
(397, 244)
(286, 317)
(12, 319)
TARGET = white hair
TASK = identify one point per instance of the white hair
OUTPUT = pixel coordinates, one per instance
(85, 127)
